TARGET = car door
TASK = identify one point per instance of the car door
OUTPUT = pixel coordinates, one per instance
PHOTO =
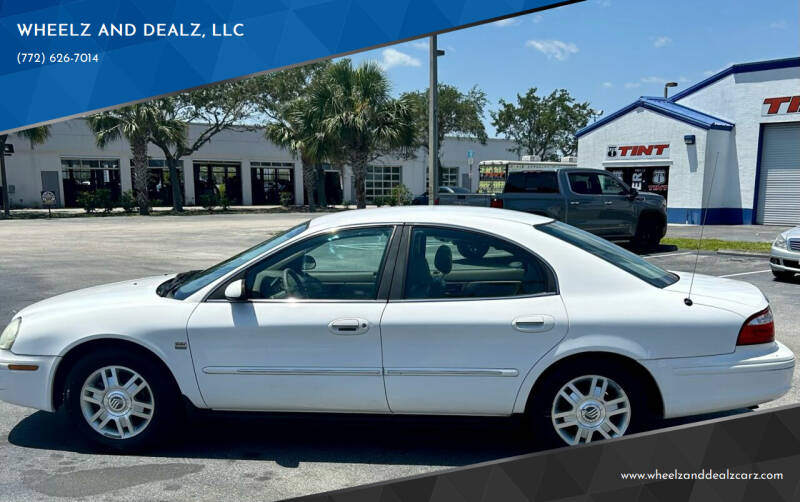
(307, 337)
(585, 204)
(460, 333)
(619, 209)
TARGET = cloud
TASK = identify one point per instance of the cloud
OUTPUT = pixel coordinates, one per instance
(604, 3)
(392, 57)
(509, 21)
(632, 85)
(607, 85)
(653, 80)
(662, 41)
(537, 19)
(420, 44)
(778, 25)
(553, 49)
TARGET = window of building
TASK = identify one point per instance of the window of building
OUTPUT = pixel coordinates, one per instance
(270, 180)
(88, 175)
(380, 180)
(448, 176)
(159, 185)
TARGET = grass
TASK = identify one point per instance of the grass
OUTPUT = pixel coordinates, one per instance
(717, 244)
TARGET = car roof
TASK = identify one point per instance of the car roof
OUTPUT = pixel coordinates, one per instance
(454, 215)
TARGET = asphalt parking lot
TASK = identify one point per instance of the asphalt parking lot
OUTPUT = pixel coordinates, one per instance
(233, 457)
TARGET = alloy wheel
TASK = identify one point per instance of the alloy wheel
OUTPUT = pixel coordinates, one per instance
(590, 407)
(117, 402)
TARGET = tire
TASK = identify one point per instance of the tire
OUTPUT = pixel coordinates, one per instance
(782, 275)
(472, 251)
(138, 416)
(648, 234)
(590, 415)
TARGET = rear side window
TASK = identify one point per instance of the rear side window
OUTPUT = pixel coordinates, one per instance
(532, 182)
(446, 263)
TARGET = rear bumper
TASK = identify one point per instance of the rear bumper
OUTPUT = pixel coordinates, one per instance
(30, 388)
(749, 376)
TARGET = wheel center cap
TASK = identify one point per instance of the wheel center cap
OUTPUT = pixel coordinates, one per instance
(591, 413)
(117, 402)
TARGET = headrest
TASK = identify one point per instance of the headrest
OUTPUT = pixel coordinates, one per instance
(444, 259)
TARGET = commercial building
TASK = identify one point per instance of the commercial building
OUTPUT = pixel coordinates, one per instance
(726, 149)
(253, 170)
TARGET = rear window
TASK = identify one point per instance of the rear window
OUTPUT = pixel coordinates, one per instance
(532, 182)
(622, 258)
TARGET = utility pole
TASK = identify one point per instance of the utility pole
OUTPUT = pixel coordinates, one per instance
(433, 123)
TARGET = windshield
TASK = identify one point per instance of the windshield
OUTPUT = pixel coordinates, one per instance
(611, 253)
(195, 282)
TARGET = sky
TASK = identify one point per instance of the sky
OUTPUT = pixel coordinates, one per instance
(607, 52)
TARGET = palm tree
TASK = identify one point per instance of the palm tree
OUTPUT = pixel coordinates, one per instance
(294, 129)
(170, 134)
(135, 123)
(352, 108)
(34, 135)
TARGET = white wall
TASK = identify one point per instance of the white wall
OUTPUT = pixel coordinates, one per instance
(738, 98)
(642, 126)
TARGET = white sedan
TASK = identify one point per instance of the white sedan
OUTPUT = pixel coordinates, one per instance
(445, 310)
(784, 257)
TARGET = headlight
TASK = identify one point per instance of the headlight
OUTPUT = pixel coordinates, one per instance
(780, 242)
(10, 334)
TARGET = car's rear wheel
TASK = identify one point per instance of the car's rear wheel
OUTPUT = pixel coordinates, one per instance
(783, 275)
(583, 403)
(120, 400)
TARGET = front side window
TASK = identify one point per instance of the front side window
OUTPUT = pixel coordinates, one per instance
(344, 265)
(584, 183)
(611, 253)
(194, 282)
(450, 264)
(610, 185)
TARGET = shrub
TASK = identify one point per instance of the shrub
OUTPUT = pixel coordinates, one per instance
(380, 201)
(401, 196)
(104, 200)
(127, 201)
(222, 200)
(348, 203)
(87, 201)
(209, 200)
(286, 199)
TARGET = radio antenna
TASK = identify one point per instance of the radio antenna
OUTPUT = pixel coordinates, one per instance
(688, 299)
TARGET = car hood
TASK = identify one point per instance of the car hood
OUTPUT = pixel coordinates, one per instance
(720, 292)
(131, 291)
(792, 233)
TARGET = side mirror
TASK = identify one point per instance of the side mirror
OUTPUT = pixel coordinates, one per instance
(235, 291)
(309, 263)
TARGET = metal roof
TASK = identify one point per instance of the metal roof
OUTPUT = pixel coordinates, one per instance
(664, 107)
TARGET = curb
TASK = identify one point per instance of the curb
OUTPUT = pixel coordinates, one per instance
(733, 252)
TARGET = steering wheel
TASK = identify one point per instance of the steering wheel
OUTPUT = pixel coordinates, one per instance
(295, 287)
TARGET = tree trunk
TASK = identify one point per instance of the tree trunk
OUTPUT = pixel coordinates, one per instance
(3, 180)
(309, 183)
(139, 153)
(320, 185)
(359, 175)
(175, 182)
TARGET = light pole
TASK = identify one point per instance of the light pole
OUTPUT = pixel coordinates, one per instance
(667, 86)
(433, 123)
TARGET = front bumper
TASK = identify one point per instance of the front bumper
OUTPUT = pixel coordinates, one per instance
(751, 375)
(784, 260)
(30, 388)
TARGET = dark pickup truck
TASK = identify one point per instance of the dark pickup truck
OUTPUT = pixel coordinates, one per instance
(591, 199)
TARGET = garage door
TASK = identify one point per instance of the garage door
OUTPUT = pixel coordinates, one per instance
(779, 193)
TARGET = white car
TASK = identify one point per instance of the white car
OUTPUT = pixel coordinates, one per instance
(784, 259)
(422, 310)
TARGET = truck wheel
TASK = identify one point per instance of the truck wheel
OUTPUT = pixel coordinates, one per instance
(648, 234)
(471, 250)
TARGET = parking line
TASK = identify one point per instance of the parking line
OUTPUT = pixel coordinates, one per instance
(670, 254)
(746, 273)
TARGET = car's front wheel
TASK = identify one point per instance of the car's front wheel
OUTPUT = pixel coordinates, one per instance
(783, 275)
(588, 402)
(120, 400)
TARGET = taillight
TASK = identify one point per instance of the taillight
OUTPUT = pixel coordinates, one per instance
(436, 201)
(758, 328)
(498, 203)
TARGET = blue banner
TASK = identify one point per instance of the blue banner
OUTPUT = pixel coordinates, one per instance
(65, 58)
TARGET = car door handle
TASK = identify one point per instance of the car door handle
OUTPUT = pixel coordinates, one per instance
(533, 323)
(608, 202)
(574, 203)
(349, 326)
